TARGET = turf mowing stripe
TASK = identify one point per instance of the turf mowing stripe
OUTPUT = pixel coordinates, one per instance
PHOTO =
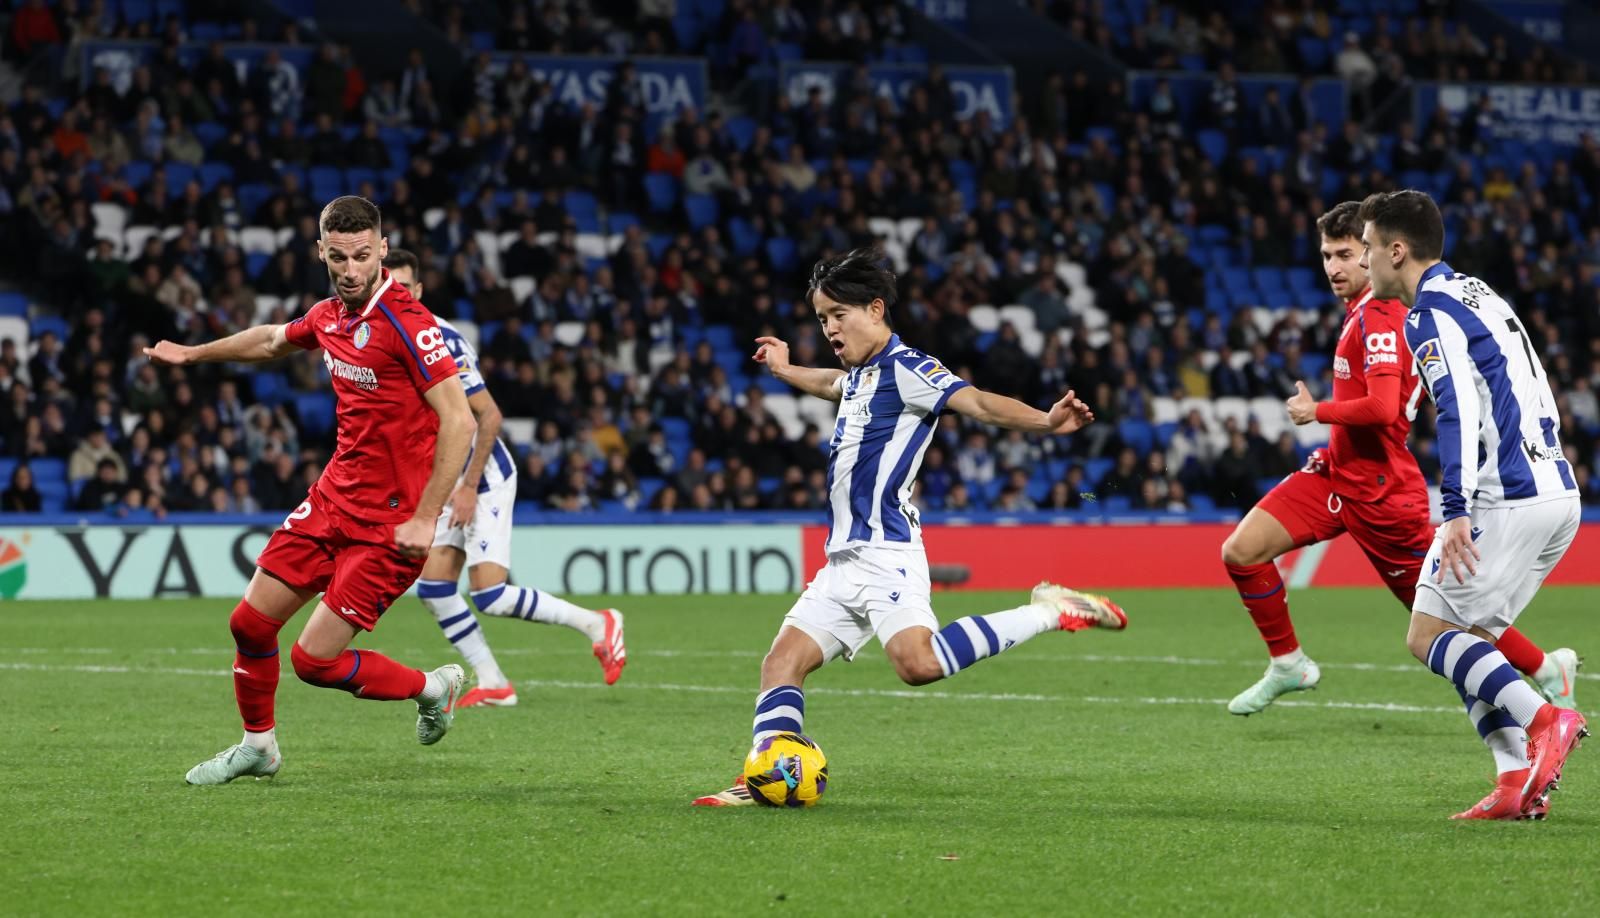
(856, 693)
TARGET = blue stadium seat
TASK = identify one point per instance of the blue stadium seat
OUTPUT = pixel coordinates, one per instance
(13, 304)
(618, 221)
(1235, 280)
(48, 471)
(1314, 54)
(315, 412)
(213, 174)
(1268, 279)
(1137, 434)
(1281, 299)
(722, 338)
(781, 253)
(210, 133)
(662, 190)
(702, 210)
(584, 211)
(648, 488)
(657, 243)
(138, 10)
(40, 324)
(1304, 280)
(255, 263)
(326, 182)
(354, 177)
(1202, 503)
(1213, 143)
(251, 197)
(178, 175)
(1117, 503)
(741, 131)
(743, 236)
(269, 388)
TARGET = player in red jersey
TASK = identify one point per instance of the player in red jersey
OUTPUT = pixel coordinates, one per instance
(363, 532)
(1365, 483)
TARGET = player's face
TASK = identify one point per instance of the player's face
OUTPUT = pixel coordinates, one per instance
(1341, 261)
(1375, 261)
(354, 261)
(407, 278)
(855, 333)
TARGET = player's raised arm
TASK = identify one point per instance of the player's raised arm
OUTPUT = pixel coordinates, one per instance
(1064, 417)
(253, 345)
(774, 353)
(456, 428)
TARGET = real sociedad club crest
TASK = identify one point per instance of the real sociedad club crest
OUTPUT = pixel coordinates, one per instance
(363, 335)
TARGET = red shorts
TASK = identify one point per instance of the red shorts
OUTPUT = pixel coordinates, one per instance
(1395, 532)
(354, 563)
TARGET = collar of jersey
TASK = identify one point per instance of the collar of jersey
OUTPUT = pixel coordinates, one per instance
(387, 280)
(889, 348)
(1360, 300)
(1439, 270)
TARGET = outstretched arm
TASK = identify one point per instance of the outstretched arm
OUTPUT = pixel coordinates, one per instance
(1064, 417)
(253, 345)
(816, 381)
(1378, 408)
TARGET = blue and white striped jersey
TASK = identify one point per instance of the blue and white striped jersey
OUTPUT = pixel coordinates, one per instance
(1496, 414)
(887, 412)
(501, 467)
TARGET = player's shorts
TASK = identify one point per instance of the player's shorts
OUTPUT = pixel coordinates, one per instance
(863, 592)
(354, 563)
(1518, 547)
(1394, 532)
(488, 537)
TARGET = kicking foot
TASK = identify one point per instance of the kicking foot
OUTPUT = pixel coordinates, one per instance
(238, 761)
(737, 795)
(1504, 802)
(1552, 736)
(610, 650)
(434, 716)
(1557, 678)
(1279, 680)
(504, 696)
(1079, 610)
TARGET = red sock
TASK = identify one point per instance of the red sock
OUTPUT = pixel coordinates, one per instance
(1524, 654)
(1261, 589)
(363, 673)
(255, 665)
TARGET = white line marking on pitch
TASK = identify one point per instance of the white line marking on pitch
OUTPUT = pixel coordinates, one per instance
(737, 690)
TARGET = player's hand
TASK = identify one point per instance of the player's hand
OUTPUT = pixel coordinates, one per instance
(1458, 550)
(414, 537)
(463, 505)
(1302, 407)
(1069, 415)
(774, 352)
(169, 353)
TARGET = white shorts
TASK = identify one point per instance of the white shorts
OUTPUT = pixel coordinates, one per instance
(488, 537)
(1519, 547)
(861, 592)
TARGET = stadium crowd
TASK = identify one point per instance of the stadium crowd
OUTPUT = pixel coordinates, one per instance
(1105, 222)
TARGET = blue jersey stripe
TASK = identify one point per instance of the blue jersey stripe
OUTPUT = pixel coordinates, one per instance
(1448, 423)
(885, 408)
(401, 331)
(896, 527)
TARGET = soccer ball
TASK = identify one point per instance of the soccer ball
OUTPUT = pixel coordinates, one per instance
(786, 770)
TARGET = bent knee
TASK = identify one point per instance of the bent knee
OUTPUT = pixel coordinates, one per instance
(919, 670)
(1242, 550)
(317, 671)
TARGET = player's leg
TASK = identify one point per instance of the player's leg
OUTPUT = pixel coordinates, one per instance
(1300, 510)
(267, 604)
(1453, 629)
(921, 655)
(438, 591)
(1396, 540)
(493, 595)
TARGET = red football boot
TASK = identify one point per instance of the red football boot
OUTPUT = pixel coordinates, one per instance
(1504, 802)
(610, 650)
(1552, 736)
(737, 795)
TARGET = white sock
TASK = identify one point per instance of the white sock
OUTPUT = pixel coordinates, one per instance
(534, 605)
(265, 741)
(433, 688)
(455, 617)
(1293, 658)
(965, 641)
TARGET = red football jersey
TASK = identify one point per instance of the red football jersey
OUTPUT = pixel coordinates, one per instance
(1370, 463)
(382, 358)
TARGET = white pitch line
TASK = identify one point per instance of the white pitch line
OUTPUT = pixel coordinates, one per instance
(745, 690)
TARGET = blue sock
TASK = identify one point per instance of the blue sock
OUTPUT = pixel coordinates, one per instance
(779, 710)
(1506, 739)
(1481, 672)
(965, 641)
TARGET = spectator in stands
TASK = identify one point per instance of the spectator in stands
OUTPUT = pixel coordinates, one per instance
(105, 489)
(20, 495)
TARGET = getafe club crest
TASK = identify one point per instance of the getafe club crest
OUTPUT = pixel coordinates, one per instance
(363, 335)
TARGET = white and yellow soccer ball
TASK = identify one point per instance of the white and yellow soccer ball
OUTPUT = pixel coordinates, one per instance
(786, 769)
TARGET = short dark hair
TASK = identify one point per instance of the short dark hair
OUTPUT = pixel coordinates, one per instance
(350, 214)
(855, 278)
(403, 258)
(1410, 215)
(1342, 222)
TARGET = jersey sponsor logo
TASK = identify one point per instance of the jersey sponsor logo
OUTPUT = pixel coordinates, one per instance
(363, 335)
(1341, 367)
(934, 373)
(1538, 452)
(330, 327)
(363, 377)
(349, 612)
(1382, 348)
(429, 338)
(1430, 361)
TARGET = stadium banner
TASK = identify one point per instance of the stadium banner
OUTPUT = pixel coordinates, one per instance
(1543, 19)
(1529, 113)
(121, 57)
(670, 84)
(1112, 556)
(951, 13)
(1192, 93)
(156, 561)
(976, 89)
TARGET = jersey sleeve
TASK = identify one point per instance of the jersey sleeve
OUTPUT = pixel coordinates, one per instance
(418, 344)
(302, 332)
(1444, 365)
(1382, 338)
(924, 383)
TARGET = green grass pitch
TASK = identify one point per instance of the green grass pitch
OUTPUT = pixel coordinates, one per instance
(1083, 773)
